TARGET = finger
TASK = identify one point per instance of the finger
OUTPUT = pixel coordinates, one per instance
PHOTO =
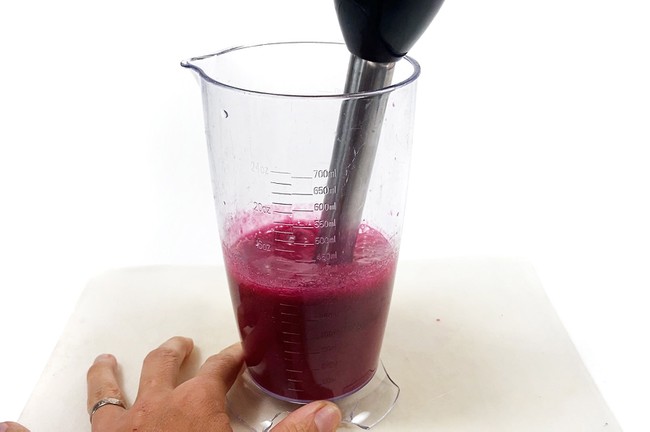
(102, 383)
(12, 427)
(222, 369)
(161, 367)
(319, 416)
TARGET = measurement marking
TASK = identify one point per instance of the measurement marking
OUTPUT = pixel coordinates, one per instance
(283, 223)
(304, 244)
(282, 232)
(302, 194)
(282, 212)
(291, 333)
(304, 210)
(288, 314)
(292, 343)
(294, 380)
(293, 370)
(306, 261)
(292, 352)
(296, 390)
(301, 177)
(280, 203)
(288, 322)
(283, 250)
(280, 172)
(281, 193)
(281, 184)
(288, 305)
(283, 241)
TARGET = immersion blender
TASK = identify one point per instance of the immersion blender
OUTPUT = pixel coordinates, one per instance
(378, 33)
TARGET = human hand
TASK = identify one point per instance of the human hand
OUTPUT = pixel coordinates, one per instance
(197, 405)
(12, 427)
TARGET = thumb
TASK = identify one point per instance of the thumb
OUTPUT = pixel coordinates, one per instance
(12, 427)
(319, 416)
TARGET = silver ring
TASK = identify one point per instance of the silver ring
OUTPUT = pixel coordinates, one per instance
(104, 402)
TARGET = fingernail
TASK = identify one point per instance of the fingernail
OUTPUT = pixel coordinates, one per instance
(4, 427)
(327, 418)
(100, 357)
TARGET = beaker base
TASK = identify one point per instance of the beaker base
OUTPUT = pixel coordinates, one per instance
(253, 409)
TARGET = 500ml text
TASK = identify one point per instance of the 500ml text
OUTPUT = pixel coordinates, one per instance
(324, 240)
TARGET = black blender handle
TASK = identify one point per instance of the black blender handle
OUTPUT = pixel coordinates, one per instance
(384, 30)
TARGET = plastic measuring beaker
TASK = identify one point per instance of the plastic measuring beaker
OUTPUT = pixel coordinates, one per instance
(311, 324)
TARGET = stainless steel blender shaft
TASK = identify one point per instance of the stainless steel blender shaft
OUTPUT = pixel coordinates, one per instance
(357, 138)
(377, 33)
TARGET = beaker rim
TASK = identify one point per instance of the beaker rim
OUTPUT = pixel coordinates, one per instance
(190, 64)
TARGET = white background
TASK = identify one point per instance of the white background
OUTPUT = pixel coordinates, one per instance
(532, 136)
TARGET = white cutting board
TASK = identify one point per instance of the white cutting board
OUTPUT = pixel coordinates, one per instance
(474, 345)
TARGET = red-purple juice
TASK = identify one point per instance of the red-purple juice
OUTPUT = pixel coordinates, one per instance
(309, 330)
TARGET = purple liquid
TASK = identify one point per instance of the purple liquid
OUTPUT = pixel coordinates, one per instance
(309, 330)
